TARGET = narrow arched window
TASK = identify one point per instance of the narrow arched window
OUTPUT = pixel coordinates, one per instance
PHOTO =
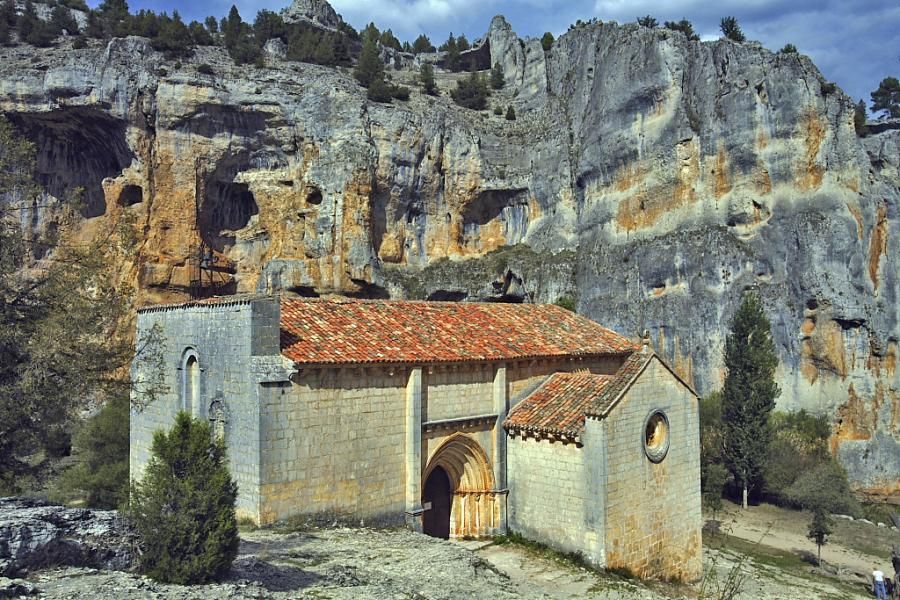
(192, 386)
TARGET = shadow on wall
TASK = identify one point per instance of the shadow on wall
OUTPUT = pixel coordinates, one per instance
(76, 148)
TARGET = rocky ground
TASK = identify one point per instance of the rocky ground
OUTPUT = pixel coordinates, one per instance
(363, 563)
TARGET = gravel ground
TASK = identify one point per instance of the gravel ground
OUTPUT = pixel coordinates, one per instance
(378, 564)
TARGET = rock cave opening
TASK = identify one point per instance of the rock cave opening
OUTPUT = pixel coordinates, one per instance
(226, 208)
(131, 195)
(314, 196)
(76, 148)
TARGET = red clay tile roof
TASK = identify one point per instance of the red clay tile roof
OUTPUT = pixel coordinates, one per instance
(559, 404)
(562, 402)
(630, 369)
(371, 331)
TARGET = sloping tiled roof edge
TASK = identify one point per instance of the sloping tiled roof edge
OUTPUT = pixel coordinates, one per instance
(215, 302)
(627, 374)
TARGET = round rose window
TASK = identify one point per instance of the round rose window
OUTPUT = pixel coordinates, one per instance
(656, 436)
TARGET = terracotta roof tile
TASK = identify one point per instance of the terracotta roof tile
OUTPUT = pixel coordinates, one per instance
(559, 404)
(632, 366)
(370, 331)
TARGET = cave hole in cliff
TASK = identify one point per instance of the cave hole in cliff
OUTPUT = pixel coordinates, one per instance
(368, 291)
(76, 148)
(447, 296)
(509, 208)
(131, 195)
(227, 206)
(314, 196)
(306, 291)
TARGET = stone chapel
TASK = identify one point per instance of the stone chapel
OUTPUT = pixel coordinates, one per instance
(459, 419)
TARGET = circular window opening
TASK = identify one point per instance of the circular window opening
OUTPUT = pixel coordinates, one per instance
(656, 436)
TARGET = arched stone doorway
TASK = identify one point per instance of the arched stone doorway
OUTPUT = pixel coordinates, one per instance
(437, 498)
(459, 472)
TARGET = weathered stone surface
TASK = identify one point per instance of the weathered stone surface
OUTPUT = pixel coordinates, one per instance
(677, 174)
(16, 588)
(318, 12)
(35, 535)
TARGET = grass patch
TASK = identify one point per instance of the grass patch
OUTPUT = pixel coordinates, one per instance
(570, 559)
(758, 552)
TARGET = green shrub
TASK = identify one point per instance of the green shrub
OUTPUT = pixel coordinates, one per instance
(100, 475)
(510, 113)
(648, 21)
(183, 508)
(788, 49)
(400, 92)
(859, 119)
(380, 91)
(79, 42)
(567, 302)
(547, 41)
(471, 92)
(497, 79)
(828, 87)
(205, 69)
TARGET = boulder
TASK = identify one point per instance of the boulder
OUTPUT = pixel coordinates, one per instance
(34, 534)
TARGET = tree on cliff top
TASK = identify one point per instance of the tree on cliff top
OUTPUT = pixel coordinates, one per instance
(685, 27)
(184, 506)
(887, 97)
(749, 393)
(731, 29)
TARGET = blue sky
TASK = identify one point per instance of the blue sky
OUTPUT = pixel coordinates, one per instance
(855, 43)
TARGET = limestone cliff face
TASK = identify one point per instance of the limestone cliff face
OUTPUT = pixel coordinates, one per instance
(653, 178)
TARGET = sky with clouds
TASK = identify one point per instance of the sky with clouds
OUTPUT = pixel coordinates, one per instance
(855, 43)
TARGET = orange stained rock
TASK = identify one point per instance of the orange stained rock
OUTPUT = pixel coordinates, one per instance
(857, 216)
(722, 172)
(812, 131)
(878, 244)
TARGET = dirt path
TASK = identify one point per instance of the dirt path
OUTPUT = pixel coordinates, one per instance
(778, 529)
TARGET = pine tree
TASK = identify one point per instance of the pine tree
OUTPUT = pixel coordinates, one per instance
(426, 78)
(859, 119)
(452, 50)
(510, 113)
(685, 27)
(422, 44)
(369, 68)
(648, 21)
(100, 475)
(183, 508)
(887, 97)
(497, 79)
(62, 20)
(731, 29)
(547, 41)
(749, 393)
(463, 43)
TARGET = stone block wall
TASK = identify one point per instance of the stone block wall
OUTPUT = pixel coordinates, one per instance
(451, 392)
(219, 337)
(653, 520)
(334, 445)
(550, 498)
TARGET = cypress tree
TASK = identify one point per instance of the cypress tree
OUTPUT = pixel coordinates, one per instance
(183, 508)
(749, 393)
